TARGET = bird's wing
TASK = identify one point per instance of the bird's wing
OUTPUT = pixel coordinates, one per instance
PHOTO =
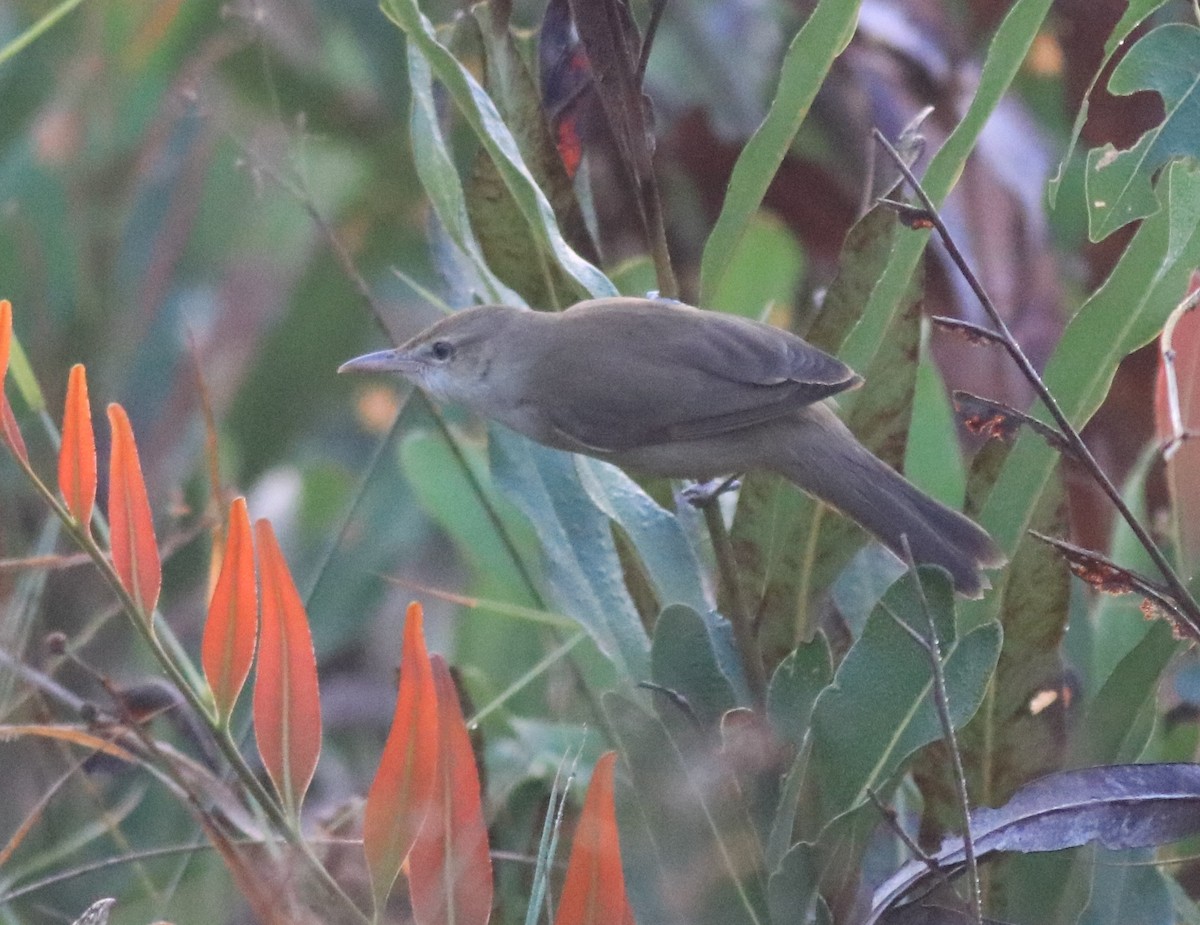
(668, 373)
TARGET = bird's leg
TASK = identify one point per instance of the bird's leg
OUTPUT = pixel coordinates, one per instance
(702, 494)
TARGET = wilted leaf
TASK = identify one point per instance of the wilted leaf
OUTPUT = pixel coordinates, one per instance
(227, 650)
(72, 734)
(77, 456)
(594, 889)
(1120, 806)
(450, 869)
(403, 788)
(134, 547)
(287, 705)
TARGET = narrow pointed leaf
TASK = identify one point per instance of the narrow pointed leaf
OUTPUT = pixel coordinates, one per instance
(450, 870)
(134, 548)
(8, 424)
(594, 890)
(229, 633)
(403, 787)
(287, 708)
(77, 456)
(5, 336)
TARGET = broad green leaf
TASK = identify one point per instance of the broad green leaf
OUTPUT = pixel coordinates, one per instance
(485, 121)
(582, 574)
(1109, 730)
(1126, 312)
(1129, 886)
(930, 460)
(1135, 12)
(764, 270)
(708, 859)
(683, 659)
(795, 686)
(879, 709)
(792, 890)
(807, 61)
(1119, 184)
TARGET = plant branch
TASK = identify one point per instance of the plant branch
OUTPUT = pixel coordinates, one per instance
(1186, 602)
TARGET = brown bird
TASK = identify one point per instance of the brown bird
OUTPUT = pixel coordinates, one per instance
(666, 389)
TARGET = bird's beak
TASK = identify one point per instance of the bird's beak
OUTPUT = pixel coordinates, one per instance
(381, 361)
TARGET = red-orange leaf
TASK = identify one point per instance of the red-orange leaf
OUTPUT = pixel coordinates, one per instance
(5, 337)
(594, 890)
(229, 633)
(134, 548)
(287, 707)
(77, 457)
(403, 787)
(9, 431)
(450, 870)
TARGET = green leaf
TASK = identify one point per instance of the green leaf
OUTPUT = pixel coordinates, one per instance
(1118, 183)
(795, 686)
(879, 710)
(792, 889)
(807, 61)
(1125, 313)
(656, 534)
(1011, 739)
(764, 270)
(583, 575)
(1135, 12)
(1110, 731)
(485, 121)
(707, 859)
(440, 179)
(683, 658)
(518, 256)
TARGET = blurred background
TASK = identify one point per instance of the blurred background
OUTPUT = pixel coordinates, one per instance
(213, 205)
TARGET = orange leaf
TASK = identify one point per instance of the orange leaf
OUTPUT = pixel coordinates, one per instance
(450, 870)
(9, 431)
(229, 633)
(77, 457)
(594, 889)
(287, 706)
(134, 548)
(5, 336)
(403, 787)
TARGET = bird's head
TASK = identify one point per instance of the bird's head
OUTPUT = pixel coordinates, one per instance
(451, 360)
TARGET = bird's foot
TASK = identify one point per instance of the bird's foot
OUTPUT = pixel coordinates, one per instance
(702, 494)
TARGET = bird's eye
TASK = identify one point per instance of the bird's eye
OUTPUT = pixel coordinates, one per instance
(442, 350)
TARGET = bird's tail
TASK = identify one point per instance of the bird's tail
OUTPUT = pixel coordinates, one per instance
(834, 467)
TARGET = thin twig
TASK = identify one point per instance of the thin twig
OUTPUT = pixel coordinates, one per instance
(931, 646)
(1166, 344)
(1178, 589)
